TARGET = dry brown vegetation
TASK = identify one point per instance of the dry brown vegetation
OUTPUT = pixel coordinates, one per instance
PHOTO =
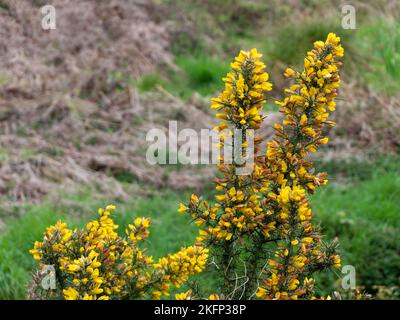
(69, 115)
(66, 113)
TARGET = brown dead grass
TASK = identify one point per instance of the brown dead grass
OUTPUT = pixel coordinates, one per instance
(69, 118)
(67, 115)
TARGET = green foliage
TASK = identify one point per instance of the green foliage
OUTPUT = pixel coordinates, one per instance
(125, 177)
(171, 231)
(201, 70)
(359, 169)
(380, 44)
(149, 82)
(364, 216)
(199, 73)
(289, 41)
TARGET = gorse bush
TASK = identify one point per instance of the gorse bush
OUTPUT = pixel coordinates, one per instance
(259, 231)
(257, 240)
(96, 263)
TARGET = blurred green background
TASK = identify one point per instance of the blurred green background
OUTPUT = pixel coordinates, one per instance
(188, 46)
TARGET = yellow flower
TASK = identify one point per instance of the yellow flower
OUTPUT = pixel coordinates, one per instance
(73, 267)
(289, 73)
(70, 294)
(305, 111)
(184, 295)
(111, 207)
(182, 208)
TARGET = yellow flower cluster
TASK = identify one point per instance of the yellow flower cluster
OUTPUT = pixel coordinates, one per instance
(300, 248)
(238, 207)
(269, 208)
(243, 98)
(188, 295)
(97, 264)
(177, 267)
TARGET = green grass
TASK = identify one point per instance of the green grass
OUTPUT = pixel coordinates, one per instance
(125, 177)
(365, 218)
(148, 82)
(360, 207)
(197, 73)
(359, 169)
(203, 73)
(380, 43)
(169, 231)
